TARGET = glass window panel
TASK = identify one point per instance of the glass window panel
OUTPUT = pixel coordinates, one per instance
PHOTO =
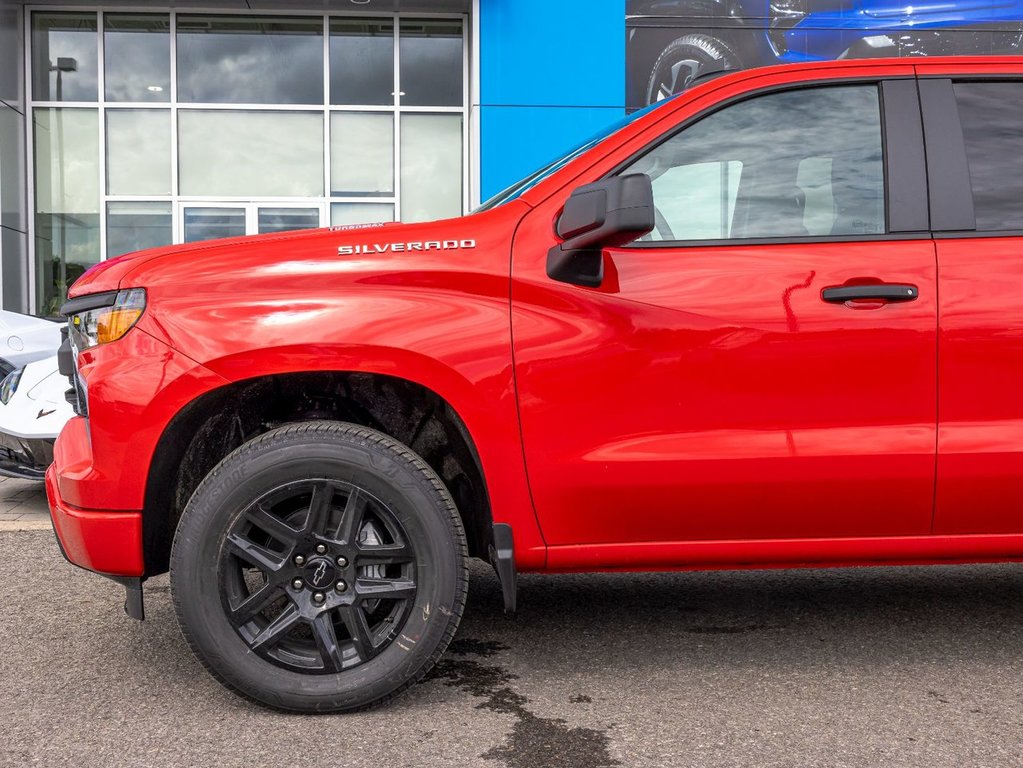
(361, 153)
(794, 164)
(287, 219)
(431, 167)
(361, 62)
(138, 151)
(67, 244)
(136, 226)
(347, 214)
(430, 53)
(250, 154)
(991, 115)
(240, 60)
(136, 56)
(67, 200)
(64, 57)
(67, 160)
(213, 223)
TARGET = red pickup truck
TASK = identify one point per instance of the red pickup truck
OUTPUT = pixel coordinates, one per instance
(776, 321)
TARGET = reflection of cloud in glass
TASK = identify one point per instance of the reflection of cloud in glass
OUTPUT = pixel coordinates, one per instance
(770, 138)
(137, 61)
(250, 61)
(66, 36)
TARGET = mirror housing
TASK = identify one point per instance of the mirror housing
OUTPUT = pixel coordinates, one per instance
(609, 213)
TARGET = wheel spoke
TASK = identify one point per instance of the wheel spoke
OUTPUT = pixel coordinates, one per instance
(278, 628)
(261, 557)
(384, 589)
(358, 628)
(319, 508)
(255, 603)
(266, 521)
(326, 641)
(384, 554)
(351, 518)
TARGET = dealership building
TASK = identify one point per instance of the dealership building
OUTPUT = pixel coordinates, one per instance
(125, 125)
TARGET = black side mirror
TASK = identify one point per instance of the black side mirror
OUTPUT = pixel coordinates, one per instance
(609, 213)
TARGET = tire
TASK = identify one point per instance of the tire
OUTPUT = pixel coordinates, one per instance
(685, 59)
(368, 529)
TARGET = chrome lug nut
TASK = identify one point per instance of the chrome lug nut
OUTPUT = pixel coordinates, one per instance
(342, 561)
(299, 560)
(319, 597)
(341, 586)
(321, 548)
(297, 583)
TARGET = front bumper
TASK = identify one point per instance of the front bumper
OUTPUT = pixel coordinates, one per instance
(24, 457)
(106, 542)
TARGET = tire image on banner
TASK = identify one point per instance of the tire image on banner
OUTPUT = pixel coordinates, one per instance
(671, 43)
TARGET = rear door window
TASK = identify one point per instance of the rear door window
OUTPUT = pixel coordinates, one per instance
(992, 120)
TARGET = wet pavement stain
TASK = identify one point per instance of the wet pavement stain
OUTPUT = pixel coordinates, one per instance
(468, 646)
(534, 742)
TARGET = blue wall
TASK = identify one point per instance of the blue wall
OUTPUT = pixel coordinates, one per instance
(552, 74)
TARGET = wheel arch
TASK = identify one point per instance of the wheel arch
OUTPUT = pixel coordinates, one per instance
(217, 421)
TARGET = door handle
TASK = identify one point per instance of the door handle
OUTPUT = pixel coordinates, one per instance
(884, 292)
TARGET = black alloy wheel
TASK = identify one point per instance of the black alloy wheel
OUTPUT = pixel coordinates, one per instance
(317, 576)
(320, 567)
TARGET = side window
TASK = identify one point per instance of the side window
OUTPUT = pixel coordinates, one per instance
(802, 163)
(991, 115)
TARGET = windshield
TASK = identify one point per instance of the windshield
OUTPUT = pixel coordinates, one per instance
(535, 178)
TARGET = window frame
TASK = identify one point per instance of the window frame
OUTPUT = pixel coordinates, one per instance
(904, 172)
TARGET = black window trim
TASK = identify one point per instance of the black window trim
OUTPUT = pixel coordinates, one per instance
(945, 120)
(902, 212)
(950, 194)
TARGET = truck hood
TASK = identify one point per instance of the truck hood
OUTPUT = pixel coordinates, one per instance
(246, 261)
(108, 275)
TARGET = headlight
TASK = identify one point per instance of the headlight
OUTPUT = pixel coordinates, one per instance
(101, 325)
(10, 385)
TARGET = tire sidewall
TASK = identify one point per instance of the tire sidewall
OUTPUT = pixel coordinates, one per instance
(381, 471)
(703, 48)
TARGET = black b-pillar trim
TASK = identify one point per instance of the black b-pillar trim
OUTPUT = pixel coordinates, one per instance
(905, 162)
(948, 170)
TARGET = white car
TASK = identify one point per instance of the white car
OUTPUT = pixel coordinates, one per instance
(33, 410)
(24, 339)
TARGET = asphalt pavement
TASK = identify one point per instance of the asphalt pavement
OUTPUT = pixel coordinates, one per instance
(855, 667)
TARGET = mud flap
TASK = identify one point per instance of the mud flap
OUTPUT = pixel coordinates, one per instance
(133, 605)
(502, 557)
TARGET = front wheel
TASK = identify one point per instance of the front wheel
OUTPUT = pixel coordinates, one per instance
(320, 567)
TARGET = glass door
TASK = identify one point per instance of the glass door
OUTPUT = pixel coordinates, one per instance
(211, 221)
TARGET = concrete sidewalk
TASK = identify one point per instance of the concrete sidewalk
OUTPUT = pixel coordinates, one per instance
(23, 505)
